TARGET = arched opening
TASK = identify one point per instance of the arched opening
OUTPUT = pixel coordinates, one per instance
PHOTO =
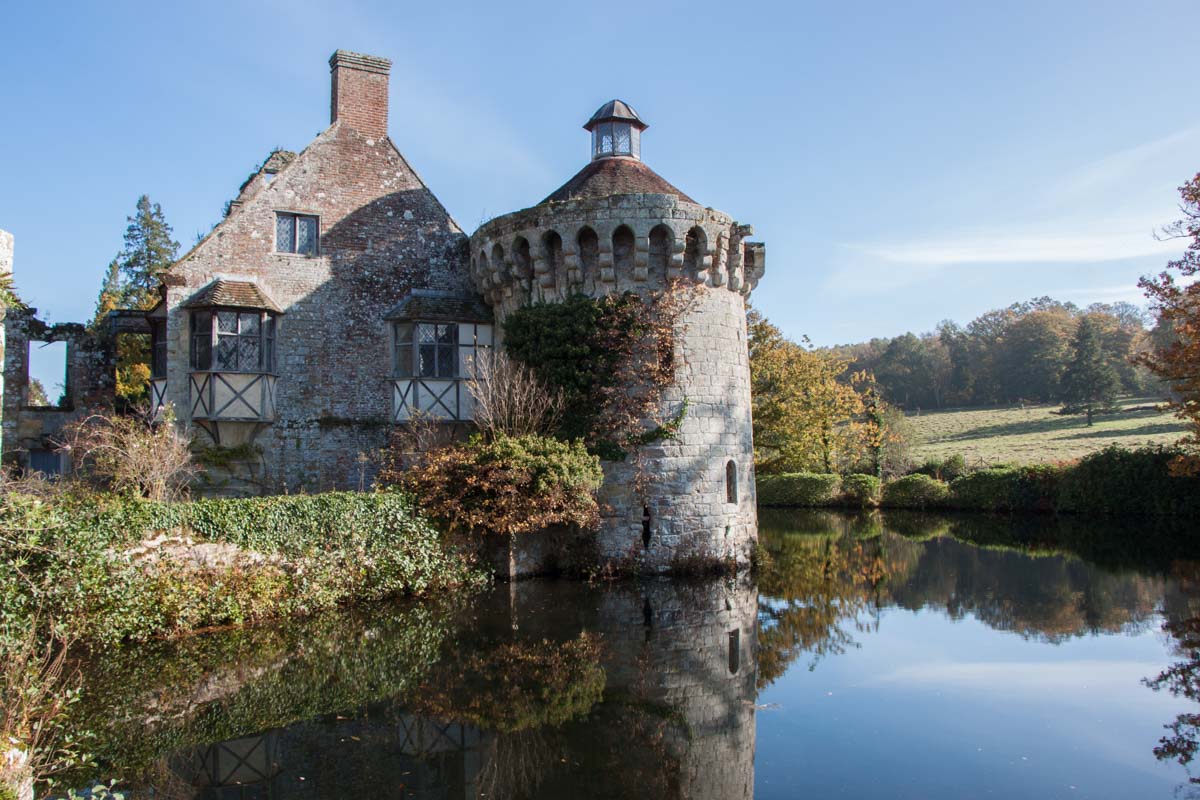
(589, 252)
(552, 245)
(522, 262)
(485, 272)
(731, 478)
(661, 242)
(694, 246)
(498, 260)
(735, 651)
(646, 526)
(622, 247)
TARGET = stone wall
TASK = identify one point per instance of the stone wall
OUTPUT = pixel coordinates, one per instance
(90, 380)
(642, 243)
(382, 233)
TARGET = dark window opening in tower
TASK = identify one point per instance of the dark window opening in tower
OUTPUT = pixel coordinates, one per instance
(589, 251)
(693, 250)
(735, 651)
(731, 478)
(552, 244)
(622, 248)
(661, 242)
(522, 263)
(498, 261)
(646, 526)
(647, 613)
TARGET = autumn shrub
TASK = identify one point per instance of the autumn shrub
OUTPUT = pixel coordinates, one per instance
(860, 491)
(508, 485)
(915, 491)
(1119, 481)
(798, 489)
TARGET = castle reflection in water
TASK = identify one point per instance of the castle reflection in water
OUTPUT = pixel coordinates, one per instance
(674, 716)
(568, 689)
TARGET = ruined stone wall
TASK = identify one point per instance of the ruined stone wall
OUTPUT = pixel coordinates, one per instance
(90, 381)
(382, 233)
(682, 481)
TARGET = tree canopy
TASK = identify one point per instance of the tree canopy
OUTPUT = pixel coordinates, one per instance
(1175, 296)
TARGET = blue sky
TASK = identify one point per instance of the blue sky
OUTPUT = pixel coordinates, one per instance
(905, 163)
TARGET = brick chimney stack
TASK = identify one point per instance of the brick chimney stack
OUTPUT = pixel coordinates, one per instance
(360, 92)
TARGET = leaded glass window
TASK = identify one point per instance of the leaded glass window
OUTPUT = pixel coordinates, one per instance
(296, 233)
(158, 349)
(621, 139)
(239, 341)
(437, 349)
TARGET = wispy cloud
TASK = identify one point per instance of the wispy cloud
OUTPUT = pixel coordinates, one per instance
(1114, 242)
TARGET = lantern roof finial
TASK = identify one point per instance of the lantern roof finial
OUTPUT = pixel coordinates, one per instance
(615, 111)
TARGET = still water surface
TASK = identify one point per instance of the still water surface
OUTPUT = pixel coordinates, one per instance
(896, 656)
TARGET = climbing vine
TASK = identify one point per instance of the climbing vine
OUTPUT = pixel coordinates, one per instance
(613, 357)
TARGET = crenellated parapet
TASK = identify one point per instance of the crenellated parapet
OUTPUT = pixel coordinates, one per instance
(598, 246)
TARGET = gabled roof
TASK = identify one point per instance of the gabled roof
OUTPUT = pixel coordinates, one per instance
(608, 176)
(232, 294)
(440, 306)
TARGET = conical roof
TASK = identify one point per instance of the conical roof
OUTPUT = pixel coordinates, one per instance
(605, 177)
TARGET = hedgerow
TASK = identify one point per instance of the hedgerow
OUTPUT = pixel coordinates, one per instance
(797, 489)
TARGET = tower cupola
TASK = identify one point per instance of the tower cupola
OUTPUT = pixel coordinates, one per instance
(616, 131)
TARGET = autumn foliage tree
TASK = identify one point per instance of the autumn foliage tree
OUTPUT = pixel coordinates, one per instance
(1175, 296)
(810, 413)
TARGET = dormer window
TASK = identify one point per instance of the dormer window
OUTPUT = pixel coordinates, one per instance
(296, 233)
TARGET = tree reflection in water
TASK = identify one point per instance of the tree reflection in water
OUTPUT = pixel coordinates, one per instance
(1182, 679)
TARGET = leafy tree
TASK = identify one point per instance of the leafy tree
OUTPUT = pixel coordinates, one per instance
(807, 415)
(37, 393)
(1176, 299)
(131, 281)
(1090, 382)
(1035, 354)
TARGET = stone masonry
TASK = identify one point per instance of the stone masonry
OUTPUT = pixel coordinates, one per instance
(289, 331)
(516, 259)
(382, 233)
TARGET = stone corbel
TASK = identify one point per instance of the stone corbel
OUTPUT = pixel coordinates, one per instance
(641, 258)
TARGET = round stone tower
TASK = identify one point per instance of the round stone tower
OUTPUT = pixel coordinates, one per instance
(615, 227)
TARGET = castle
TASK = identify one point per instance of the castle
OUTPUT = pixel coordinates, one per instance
(338, 297)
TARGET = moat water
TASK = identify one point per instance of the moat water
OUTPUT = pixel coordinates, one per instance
(872, 656)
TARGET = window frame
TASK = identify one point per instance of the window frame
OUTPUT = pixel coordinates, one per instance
(406, 340)
(209, 341)
(296, 216)
(158, 349)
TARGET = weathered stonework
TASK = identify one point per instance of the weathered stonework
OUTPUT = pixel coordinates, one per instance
(643, 243)
(382, 233)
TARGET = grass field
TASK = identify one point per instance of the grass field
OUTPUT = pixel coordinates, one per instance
(1035, 434)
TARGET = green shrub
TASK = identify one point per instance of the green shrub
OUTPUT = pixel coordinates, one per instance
(915, 491)
(1028, 488)
(1119, 481)
(946, 469)
(860, 491)
(68, 559)
(797, 489)
(509, 485)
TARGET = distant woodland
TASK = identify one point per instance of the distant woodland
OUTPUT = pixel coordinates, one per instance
(1022, 353)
